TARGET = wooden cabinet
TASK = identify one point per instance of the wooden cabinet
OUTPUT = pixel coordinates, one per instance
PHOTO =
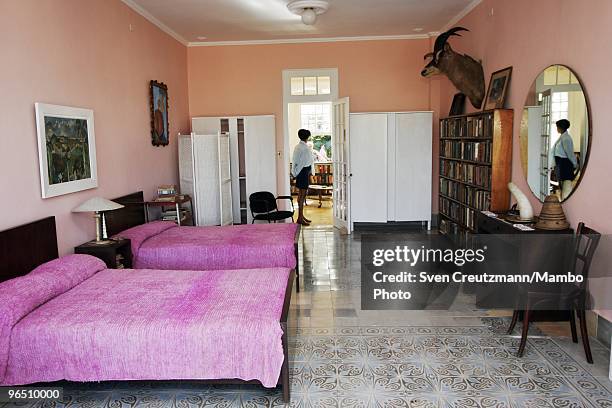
(475, 168)
(116, 253)
(252, 145)
(391, 166)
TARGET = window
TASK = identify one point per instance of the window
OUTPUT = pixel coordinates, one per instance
(559, 110)
(317, 119)
(559, 75)
(297, 86)
(320, 85)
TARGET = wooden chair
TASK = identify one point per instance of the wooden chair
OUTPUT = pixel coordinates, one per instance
(263, 207)
(572, 297)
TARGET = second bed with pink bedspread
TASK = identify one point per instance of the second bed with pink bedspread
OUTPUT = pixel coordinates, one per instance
(164, 245)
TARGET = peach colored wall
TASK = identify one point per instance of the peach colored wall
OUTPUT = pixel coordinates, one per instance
(531, 35)
(247, 80)
(82, 53)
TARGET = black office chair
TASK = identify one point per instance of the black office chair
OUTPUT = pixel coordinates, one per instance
(572, 296)
(264, 208)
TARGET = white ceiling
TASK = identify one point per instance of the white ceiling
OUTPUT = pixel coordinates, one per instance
(271, 21)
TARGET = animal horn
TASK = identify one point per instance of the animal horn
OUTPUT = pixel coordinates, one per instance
(442, 38)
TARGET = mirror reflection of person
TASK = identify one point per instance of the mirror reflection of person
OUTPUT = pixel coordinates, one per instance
(302, 167)
(564, 158)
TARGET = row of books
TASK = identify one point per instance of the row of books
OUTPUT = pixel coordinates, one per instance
(463, 215)
(170, 215)
(466, 172)
(471, 196)
(325, 179)
(323, 168)
(473, 151)
(468, 127)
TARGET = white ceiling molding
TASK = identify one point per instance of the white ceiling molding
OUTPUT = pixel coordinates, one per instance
(462, 14)
(131, 4)
(312, 40)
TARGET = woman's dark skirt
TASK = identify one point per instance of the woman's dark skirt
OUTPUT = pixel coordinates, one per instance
(302, 180)
(564, 168)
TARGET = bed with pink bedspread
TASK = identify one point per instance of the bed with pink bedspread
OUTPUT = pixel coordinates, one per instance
(164, 245)
(71, 318)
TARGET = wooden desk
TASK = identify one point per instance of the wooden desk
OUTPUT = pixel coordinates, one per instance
(503, 228)
(176, 202)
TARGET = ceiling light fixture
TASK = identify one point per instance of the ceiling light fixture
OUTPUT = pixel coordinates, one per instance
(308, 9)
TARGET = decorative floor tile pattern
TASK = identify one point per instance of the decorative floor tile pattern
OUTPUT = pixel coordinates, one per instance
(386, 367)
(351, 361)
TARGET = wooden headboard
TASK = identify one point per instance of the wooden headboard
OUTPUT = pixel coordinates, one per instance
(25, 247)
(131, 215)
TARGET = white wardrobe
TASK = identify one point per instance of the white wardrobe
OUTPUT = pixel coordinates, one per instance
(252, 141)
(204, 174)
(391, 166)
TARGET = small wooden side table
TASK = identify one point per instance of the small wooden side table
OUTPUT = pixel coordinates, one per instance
(116, 253)
(176, 202)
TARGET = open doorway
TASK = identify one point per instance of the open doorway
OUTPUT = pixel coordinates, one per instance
(308, 96)
(317, 118)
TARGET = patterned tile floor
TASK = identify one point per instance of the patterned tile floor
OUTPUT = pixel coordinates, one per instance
(342, 356)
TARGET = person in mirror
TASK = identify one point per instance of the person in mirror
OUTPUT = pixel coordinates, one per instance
(565, 159)
(302, 166)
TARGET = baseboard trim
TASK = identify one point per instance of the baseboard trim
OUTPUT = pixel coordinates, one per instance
(604, 330)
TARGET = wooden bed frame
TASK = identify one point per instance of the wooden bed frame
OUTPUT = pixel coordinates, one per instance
(133, 214)
(25, 247)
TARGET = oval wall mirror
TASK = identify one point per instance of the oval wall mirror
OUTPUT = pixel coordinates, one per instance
(555, 135)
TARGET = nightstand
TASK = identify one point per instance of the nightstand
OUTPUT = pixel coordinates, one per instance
(117, 254)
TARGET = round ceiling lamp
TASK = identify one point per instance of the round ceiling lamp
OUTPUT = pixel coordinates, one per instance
(308, 9)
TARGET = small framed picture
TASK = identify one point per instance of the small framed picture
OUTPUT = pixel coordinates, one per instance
(66, 149)
(498, 85)
(160, 127)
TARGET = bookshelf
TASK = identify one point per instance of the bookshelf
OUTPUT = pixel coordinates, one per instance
(323, 176)
(475, 168)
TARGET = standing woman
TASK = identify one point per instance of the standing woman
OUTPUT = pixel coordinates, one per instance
(565, 159)
(301, 169)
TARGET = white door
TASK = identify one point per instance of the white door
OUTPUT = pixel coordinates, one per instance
(369, 168)
(341, 165)
(413, 166)
(225, 180)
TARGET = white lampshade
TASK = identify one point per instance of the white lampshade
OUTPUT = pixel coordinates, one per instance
(97, 204)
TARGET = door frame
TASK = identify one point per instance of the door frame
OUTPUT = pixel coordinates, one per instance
(288, 98)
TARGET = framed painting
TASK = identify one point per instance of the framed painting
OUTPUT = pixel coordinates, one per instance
(66, 149)
(498, 85)
(160, 127)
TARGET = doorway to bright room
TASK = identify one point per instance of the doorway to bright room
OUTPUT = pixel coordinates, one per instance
(308, 102)
(316, 117)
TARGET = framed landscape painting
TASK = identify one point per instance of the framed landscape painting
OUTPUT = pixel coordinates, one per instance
(66, 149)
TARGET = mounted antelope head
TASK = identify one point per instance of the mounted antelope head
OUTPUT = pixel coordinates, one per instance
(463, 71)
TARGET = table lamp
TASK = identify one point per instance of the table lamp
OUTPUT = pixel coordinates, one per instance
(98, 206)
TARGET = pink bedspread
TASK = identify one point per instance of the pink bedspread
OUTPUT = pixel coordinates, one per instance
(152, 324)
(163, 245)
